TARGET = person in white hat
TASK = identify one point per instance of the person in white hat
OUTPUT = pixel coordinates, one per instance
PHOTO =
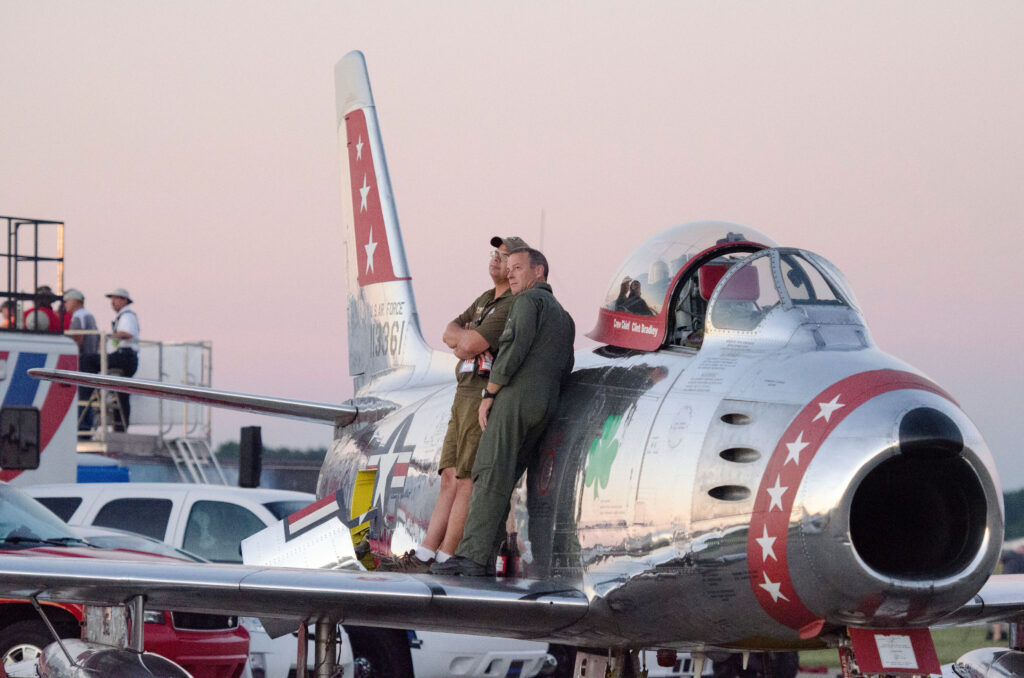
(125, 343)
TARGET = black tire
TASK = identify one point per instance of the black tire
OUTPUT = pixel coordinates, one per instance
(565, 655)
(23, 640)
(380, 653)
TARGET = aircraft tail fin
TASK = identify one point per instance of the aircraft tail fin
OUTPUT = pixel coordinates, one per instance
(385, 343)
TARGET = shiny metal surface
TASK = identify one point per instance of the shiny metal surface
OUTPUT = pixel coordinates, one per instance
(646, 487)
(136, 638)
(325, 649)
(91, 660)
(763, 477)
(515, 608)
(999, 599)
(338, 415)
(990, 662)
(659, 488)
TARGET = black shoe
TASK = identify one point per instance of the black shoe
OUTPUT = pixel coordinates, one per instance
(407, 563)
(458, 566)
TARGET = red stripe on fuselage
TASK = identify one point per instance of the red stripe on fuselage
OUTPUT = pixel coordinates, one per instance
(312, 508)
(769, 576)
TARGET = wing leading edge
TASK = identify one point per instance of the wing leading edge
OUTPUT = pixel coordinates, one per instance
(1000, 599)
(512, 608)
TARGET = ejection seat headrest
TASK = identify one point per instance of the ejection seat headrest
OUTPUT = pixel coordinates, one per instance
(743, 286)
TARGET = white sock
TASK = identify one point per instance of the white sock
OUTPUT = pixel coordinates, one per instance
(423, 553)
(442, 556)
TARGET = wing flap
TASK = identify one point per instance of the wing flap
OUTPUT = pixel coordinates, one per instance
(321, 413)
(511, 608)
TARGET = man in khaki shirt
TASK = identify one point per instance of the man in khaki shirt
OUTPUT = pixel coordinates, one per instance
(535, 358)
(473, 337)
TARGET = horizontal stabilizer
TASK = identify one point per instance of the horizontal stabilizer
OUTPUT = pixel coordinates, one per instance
(321, 413)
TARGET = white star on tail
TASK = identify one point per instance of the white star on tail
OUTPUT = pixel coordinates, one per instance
(359, 148)
(776, 493)
(773, 589)
(362, 195)
(795, 448)
(767, 546)
(370, 248)
(828, 408)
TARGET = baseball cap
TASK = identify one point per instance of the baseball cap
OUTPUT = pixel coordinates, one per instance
(512, 242)
(73, 294)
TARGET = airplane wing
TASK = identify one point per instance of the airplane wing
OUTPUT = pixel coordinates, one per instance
(320, 413)
(1000, 599)
(512, 608)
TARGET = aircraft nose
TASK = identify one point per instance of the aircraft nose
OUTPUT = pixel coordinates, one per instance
(921, 513)
(900, 504)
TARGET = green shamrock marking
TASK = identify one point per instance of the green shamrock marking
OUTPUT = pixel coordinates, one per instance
(602, 454)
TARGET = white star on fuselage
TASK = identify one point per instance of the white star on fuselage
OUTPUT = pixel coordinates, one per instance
(776, 493)
(773, 589)
(359, 148)
(826, 409)
(370, 248)
(385, 464)
(767, 545)
(795, 448)
(362, 195)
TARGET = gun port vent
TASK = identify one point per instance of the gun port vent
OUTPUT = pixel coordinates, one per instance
(736, 419)
(730, 492)
(919, 518)
(740, 455)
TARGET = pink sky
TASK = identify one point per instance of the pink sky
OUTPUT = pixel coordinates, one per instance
(191, 149)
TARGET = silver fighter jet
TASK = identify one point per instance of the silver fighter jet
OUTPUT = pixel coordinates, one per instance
(737, 467)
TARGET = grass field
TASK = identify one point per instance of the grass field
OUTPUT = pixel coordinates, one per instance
(950, 643)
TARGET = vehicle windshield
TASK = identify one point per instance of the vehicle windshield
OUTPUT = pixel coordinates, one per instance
(24, 522)
(283, 509)
(138, 543)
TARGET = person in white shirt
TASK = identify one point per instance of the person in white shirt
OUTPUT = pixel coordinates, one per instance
(124, 341)
(88, 350)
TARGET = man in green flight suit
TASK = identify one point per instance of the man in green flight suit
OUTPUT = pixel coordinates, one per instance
(473, 337)
(534, 358)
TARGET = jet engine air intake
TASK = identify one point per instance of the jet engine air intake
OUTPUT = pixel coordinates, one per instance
(929, 498)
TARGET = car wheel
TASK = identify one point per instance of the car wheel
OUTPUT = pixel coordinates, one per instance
(380, 653)
(565, 655)
(23, 641)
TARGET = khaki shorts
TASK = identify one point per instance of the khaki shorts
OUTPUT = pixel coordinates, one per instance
(463, 435)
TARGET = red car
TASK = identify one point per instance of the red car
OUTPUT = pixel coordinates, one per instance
(207, 646)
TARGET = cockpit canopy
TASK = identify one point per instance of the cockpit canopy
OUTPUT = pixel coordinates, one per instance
(635, 313)
(718, 277)
(777, 279)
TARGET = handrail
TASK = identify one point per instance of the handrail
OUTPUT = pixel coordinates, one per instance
(189, 423)
(15, 257)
